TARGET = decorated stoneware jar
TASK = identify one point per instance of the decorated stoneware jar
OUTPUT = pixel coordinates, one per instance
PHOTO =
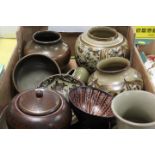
(49, 43)
(38, 109)
(99, 43)
(114, 75)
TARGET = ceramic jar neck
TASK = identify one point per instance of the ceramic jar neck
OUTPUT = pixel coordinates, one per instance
(113, 65)
(47, 37)
(102, 33)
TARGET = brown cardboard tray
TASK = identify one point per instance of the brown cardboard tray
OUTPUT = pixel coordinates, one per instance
(148, 49)
(24, 34)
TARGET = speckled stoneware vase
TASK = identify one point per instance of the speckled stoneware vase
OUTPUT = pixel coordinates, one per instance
(134, 110)
(114, 75)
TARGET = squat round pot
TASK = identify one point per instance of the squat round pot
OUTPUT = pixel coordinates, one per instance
(99, 43)
(38, 109)
(114, 75)
(49, 43)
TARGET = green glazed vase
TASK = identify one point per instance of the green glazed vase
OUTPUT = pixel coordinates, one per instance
(80, 73)
(114, 75)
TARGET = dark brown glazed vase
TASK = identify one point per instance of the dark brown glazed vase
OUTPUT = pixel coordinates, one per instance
(49, 43)
(38, 109)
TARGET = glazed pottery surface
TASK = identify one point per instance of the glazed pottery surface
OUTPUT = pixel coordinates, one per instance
(80, 73)
(97, 44)
(92, 107)
(114, 75)
(37, 109)
(31, 70)
(49, 43)
(134, 109)
(62, 83)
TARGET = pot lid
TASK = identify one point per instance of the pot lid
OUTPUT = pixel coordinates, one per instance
(39, 102)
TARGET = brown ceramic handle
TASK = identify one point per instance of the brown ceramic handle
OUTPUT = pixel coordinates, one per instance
(39, 93)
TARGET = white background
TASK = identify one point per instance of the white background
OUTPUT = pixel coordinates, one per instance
(77, 13)
(10, 31)
(69, 28)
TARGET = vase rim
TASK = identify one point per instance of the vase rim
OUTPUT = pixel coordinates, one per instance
(46, 37)
(102, 33)
(126, 121)
(113, 65)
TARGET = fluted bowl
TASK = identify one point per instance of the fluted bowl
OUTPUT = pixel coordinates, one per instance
(92, 107)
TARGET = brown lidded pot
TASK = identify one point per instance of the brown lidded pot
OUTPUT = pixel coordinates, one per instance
(38, 109)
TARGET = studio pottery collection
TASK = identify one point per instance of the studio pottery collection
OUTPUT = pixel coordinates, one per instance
(100, 93)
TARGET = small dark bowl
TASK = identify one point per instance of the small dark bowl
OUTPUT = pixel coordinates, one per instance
(92, 107)
(31, 70)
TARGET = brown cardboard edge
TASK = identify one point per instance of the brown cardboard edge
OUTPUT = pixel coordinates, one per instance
(139, 66)
(6, 86)
(23, 35)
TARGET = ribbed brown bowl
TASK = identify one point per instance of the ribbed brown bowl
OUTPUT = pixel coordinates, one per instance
(92, 107)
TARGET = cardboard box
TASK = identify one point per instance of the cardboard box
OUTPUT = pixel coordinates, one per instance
(148, 49)
(24, 34)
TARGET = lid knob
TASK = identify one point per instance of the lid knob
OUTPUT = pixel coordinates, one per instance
(39, 93)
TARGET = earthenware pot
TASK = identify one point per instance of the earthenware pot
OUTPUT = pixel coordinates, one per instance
(80, 73)
(92, 107)
(31, 70)
(114, 75)
(38, 109)
(49, 43)
(62, 83)
(99, 43)
(134, 109)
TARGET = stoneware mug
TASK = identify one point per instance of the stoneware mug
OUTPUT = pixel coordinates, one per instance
(134, 110)
(80, 73)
